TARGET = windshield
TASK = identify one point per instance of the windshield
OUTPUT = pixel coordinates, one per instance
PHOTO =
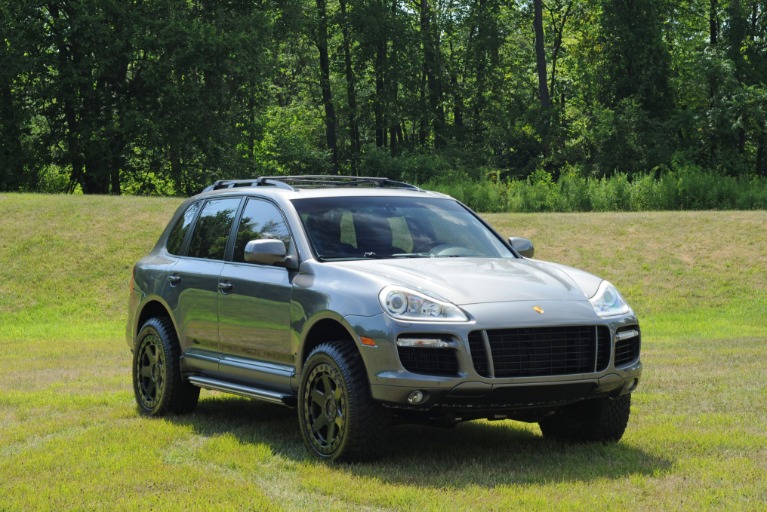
(343, 228)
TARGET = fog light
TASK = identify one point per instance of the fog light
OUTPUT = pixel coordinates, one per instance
(624, 335)
(633, 385)
(415, 397)
(422, 343)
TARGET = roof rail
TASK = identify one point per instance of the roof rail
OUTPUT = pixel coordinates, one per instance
(311, 181)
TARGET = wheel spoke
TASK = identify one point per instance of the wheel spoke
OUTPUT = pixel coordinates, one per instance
(327, 383)
(319, 423)
(151, 353)
(318, 397)
(332, 431)
(150, 390)
(339, 422)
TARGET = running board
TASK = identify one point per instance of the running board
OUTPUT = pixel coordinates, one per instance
(264, 395)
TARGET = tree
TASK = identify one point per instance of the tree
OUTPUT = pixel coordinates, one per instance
(351, 89)
(327, 94)
(540, 55)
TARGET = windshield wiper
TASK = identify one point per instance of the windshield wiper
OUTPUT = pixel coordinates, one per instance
(412, 255)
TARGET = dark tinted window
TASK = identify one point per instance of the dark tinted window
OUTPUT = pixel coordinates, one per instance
(176, 237)
(396, 227)
(260, 220)
(212, 229)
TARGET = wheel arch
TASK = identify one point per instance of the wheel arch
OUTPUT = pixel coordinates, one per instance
(151, 309)
(323, 331)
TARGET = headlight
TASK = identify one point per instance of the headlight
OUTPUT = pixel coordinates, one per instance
(405, 304)
(608, 302)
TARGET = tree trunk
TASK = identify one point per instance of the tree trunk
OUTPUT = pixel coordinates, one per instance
(713, 22)
(540, 54)
(480, 60)
(431, 68)
(351, 92)
(557, 48)
(11, 150)
(761, 155)
(327, 95)
(380, 121)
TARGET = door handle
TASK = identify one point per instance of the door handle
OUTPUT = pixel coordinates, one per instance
(225, 286)
(174, 279)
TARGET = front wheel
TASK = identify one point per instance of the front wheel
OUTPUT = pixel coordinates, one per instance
(597, 420)
(339, 419)
(157, 381)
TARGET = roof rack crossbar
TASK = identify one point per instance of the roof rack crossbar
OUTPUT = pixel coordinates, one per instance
(257, 182)
(312, 181)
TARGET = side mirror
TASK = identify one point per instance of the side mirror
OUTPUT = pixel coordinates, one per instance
(522, 245)
(265, 252)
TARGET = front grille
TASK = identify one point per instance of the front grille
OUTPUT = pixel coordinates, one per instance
(478, 354)
(627, 351)
(429, 361)
(540, 352)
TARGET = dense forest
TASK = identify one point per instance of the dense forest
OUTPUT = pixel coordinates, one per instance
(164, 96)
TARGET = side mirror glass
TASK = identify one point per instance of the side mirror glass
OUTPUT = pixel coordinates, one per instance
(265, 252)
(523, 246)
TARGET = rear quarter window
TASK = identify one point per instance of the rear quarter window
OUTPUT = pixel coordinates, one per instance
(178, 233)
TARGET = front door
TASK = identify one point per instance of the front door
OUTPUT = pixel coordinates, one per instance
(254, 303)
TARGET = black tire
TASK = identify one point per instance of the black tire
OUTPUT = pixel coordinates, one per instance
(598, 420)
(339, 419)
(157, 382)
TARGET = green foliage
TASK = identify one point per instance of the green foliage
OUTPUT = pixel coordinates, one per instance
(636, 62)
(290, 143)
(682, 188)
(165, 96)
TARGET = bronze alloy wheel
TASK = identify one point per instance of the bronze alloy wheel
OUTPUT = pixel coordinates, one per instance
(151, 371)
(157, 381)
(326, 407)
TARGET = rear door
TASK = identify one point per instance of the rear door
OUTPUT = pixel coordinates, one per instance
(195, 280)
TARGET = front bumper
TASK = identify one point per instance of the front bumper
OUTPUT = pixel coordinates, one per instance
(473, 391)
(502, 395)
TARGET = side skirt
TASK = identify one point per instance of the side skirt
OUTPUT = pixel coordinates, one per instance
(264, 395)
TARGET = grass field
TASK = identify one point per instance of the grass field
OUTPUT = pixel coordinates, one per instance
(71, 439)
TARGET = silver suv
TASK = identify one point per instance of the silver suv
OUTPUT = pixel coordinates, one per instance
(365, 302)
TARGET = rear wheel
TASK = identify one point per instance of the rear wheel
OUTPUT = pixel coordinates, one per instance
(339, 419)
(598, 420)
(157, 381)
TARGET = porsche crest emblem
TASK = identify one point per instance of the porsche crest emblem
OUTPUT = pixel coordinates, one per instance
(538, 309)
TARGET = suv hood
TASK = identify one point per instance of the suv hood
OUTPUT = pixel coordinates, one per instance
(464, 281)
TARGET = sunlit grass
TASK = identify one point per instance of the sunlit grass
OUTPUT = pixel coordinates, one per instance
(71, 439)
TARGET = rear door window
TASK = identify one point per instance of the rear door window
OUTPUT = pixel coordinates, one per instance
(213, 227)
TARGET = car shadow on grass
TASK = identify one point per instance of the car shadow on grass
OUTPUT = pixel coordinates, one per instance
(485, 454)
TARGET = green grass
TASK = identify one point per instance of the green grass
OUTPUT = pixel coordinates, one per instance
(71, 439)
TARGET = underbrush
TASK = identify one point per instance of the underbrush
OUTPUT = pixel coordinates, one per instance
(679, 189)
